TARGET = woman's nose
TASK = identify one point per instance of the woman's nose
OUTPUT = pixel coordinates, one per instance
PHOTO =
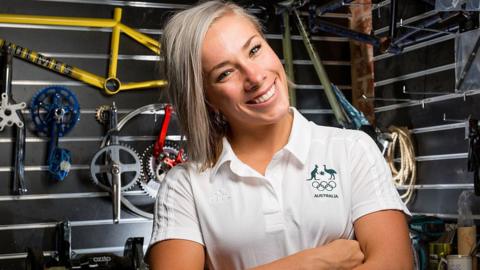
(254, 77)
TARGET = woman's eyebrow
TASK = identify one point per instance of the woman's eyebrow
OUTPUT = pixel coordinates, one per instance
(247, 43)
(222, 64)
(245, 46)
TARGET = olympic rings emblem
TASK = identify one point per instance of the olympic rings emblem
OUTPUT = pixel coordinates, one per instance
(324, 185)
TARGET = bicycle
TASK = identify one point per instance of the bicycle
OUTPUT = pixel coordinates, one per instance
(110, 85)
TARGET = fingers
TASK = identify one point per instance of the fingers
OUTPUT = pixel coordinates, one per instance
(347, 253)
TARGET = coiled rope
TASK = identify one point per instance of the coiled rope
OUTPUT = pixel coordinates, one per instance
(405, 175)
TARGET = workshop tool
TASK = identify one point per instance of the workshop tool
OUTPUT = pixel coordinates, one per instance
(63, 258)
(114, 167)
(160, 157)
(11, 114)
(55, 111)
(474, 153)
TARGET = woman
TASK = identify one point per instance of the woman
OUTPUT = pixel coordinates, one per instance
(264, 188)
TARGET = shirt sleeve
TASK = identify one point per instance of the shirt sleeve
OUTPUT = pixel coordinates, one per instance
(372, 185)
(175, 214)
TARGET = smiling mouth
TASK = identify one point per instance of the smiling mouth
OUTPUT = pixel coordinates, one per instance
(265, 97)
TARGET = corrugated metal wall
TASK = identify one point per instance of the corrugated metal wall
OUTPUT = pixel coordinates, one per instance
(29, 220)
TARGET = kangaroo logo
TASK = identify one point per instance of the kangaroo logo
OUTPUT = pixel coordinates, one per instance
(313, 173)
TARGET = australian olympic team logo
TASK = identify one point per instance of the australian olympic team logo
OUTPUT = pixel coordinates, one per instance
(321, 183)
(324, 185)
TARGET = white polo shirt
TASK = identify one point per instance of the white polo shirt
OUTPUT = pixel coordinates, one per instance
(313, 190)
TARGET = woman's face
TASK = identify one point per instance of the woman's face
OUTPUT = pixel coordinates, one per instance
(243, 77)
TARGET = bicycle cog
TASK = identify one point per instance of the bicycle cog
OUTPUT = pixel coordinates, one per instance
(101, 113)
(122, 155)
(154, 170)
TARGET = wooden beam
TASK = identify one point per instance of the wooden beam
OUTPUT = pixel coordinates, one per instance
(361, 55)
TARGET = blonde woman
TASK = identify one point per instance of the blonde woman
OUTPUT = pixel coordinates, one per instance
(264, 188)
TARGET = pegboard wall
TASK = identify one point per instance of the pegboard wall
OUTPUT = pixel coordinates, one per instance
(426, 72)
(29, 220)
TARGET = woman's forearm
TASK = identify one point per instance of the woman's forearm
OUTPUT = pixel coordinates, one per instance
(338, 254)
(297, 261)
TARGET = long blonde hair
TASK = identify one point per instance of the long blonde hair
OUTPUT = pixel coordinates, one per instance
(181, 42)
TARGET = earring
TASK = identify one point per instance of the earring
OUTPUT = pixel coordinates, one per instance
(219, 119)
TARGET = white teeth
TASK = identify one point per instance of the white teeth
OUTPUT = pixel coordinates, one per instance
(265, 96)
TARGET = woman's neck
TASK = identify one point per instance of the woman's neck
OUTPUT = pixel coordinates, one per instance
(255, 146)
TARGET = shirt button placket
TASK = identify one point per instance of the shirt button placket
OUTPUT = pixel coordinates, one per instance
(272, 198)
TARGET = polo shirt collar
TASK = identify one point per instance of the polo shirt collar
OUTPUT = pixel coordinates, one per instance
(300, 135)
(227, 155)
(298, 143)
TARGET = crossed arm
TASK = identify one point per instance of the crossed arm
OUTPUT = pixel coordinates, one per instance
(383, 243)
(384, 239)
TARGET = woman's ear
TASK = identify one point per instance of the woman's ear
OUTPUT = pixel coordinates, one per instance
(210, 107)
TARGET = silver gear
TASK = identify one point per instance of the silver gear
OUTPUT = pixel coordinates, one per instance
(98, 166)
(8, 114)
(153, 170)
(148, 183)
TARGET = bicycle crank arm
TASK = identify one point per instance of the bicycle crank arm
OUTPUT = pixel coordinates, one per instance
(116, 193)
(107, 167)
(10, 114)
(54, 112)
(59, 159)
(19, 186)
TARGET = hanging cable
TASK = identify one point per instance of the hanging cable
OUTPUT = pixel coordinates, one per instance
(405, 175)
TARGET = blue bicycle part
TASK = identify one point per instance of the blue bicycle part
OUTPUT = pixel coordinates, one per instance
(357, 118)
(55, 111)
(59, 163)
(59, 105)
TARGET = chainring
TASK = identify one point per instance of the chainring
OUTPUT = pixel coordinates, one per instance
(154, 170)
(125, 157)
(54, 104)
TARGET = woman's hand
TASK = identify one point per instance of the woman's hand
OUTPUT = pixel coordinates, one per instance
(339, 254)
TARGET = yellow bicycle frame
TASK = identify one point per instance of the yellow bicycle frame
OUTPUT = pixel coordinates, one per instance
(110, 85)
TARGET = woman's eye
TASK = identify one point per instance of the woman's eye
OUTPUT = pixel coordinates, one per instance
(223, 75)
(255, 49)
